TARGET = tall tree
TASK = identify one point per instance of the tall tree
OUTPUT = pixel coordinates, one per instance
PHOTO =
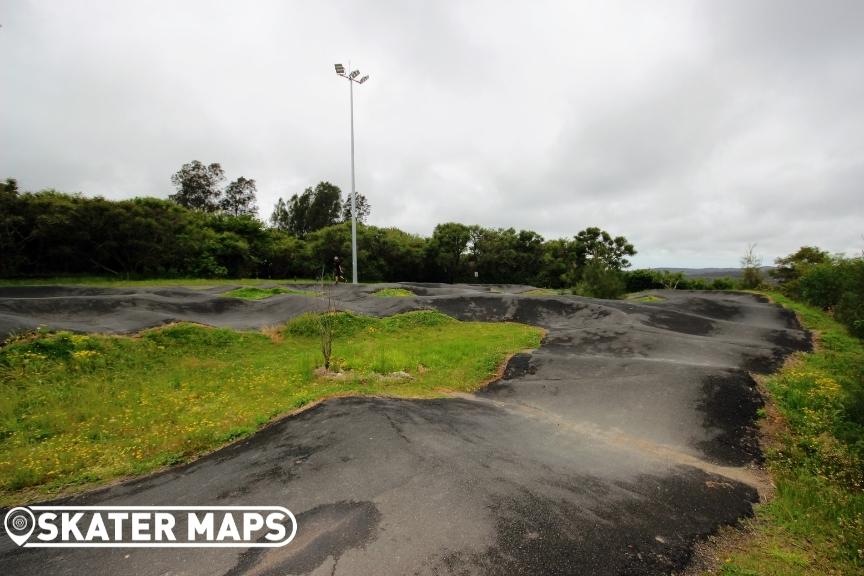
(448, 244)
(326, 206)
(11, 186)
(12, 227)
(558, 263)
(298, 209)
(238, 199)
(505, 256)
(314, 209)
(198, 186)
(750, 263)
(791, 267)
(363, 208)
(280, 218)
(600, 247)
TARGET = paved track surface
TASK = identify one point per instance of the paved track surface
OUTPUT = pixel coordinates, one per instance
(610, 450)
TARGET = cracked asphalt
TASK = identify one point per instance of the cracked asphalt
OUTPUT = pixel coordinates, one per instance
(625, 438)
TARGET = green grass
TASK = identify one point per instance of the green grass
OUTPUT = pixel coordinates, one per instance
(815, 523)
(253, 293)
(82, 409)
(646, 298)
(545, 292)
(113, 282)
(393, 293)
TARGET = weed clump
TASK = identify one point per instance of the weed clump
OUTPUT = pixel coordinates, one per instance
(252, 293)
(393, 293)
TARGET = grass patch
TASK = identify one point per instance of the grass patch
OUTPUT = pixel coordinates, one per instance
(253, 293)
(393, 293)
(77, 409)
(647, 298)
(113, 282)
(545, 292)
(815, 523)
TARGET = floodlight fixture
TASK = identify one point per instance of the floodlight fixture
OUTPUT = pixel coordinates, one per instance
(351, 76)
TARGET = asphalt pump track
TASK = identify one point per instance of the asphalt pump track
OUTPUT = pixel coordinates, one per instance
(628, 436)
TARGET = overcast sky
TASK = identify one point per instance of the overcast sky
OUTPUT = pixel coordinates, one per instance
(692, 128)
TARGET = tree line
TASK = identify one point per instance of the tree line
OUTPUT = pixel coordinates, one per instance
(207, 230)
(832, 282)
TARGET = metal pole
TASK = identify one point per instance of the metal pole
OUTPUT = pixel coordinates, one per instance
(353, 191)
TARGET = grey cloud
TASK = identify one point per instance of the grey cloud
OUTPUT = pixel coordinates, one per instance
(692, 128)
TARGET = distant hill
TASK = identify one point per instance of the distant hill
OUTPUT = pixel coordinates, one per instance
(711, 273)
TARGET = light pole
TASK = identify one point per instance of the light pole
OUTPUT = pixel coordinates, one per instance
(351, 76)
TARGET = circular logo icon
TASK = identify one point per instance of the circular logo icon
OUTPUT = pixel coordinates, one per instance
(19, 524)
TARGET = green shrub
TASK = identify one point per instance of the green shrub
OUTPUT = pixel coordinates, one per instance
(790, 268)
(600, 282)
(693, 284)
(823, 285)
(850, 307)
(751, 278)
(836, 285)
(831, 283)
(641, 280)
(723, 284)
